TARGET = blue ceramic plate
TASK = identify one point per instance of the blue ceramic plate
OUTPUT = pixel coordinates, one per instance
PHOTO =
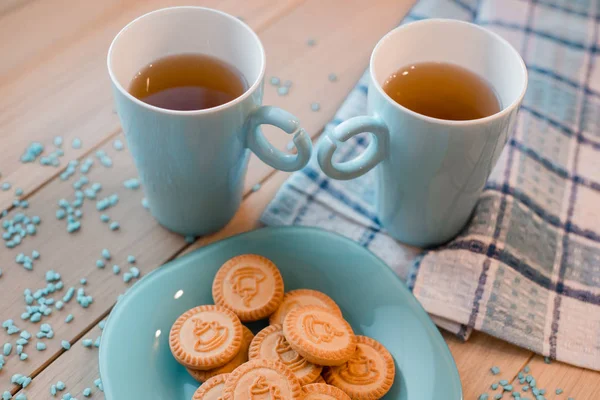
(135, 360)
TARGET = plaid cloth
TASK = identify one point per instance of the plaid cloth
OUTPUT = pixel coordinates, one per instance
(527, 267)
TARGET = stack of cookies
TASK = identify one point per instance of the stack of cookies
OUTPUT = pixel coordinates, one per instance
(307, 352)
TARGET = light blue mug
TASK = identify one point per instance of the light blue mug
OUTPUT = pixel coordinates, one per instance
(430, 172)
(192, 164)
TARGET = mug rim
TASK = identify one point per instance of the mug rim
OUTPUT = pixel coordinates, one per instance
(255, 85)
(498, 115)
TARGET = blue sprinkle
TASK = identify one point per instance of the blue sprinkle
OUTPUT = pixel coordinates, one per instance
(6, 186)
(102, 324)
(65, 345)
(542, 391)
(58, 141)
(53, 390)
(287, 84)
(59, 305)
(132, 184)
(526, 369)
(6, 395)
(190, 239)
(97, 341)
(559, 391)
(19, 349)
(135, 272)
(104, 218)
(40, 346)
(21, 396)
(498, 396)
(114, 226)
(532, 383)
(116, 269)
(118, 145)
(76, 143)
(18, 192)
(106, 254)
(11, 330)
(7, 323)
(60, 214)
(145, 203)
(23, 356)
(20, 258)
(87, 342)
(21, 342)
(106, 161)
(507, 388)
(100, 264)
(275, 81)
(332, 77)
(528, 378)
(60, 385)
(25, 335)
(69, 318)
(45, 328)
(83, 281)
(7, 349)
(311, 42)
(503, 382)
(283, 90)
(87, 392)
(131, 259)
(484, 396)
(516, 395)
(127, 277)
(256, 187)
(494, 386)
(36, 317)
(315, 106)
(25, 316)
(35, 254)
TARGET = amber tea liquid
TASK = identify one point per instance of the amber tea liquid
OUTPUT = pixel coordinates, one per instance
(187, 82)
(442, 90)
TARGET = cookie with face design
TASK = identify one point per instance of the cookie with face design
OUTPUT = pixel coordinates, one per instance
(250, 285)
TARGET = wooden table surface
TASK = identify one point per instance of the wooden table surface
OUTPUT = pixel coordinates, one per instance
(53, 81)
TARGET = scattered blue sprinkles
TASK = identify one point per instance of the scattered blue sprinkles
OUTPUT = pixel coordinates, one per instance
(332, 77)
(275, 81)
(118, 145)
(132, 183)
(315, 106)
(283, 91)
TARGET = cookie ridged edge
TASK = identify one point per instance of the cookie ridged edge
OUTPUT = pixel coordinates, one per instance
(305, 292)
(309, 351)
(204, 376)
(323, 388)
(235, 376)
(194, 362)
(245, 315)
(333, 379)
(208, 385)
(254, 353)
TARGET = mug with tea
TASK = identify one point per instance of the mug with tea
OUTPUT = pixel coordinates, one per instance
(188, 86)
(442, 100)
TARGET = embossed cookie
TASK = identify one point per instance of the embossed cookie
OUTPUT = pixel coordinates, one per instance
(322, 391)
(262, 380)
(240, 358)
(302, 297)
(270, 344)
(206, 337)
(368, 375)
(212, 389)
(250, 285)
(319, 380)
(319, 335)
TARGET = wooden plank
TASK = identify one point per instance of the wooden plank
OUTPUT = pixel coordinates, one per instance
(140, 235)
(44, 27)
(69, 93)
(475, 357)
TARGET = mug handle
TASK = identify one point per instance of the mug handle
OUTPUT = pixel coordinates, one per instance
(260, 146)
(373, 155)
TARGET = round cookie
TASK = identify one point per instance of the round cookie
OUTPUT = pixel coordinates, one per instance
(322, 391)
(250, 285)
(302, 297)
(368, 375)
(206, 337)
(262, 379)
(240, 358)
(212, 389)
(319, 335)
(270, 344)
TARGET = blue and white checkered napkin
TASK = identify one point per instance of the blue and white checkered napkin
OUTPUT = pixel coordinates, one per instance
(527, 268)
